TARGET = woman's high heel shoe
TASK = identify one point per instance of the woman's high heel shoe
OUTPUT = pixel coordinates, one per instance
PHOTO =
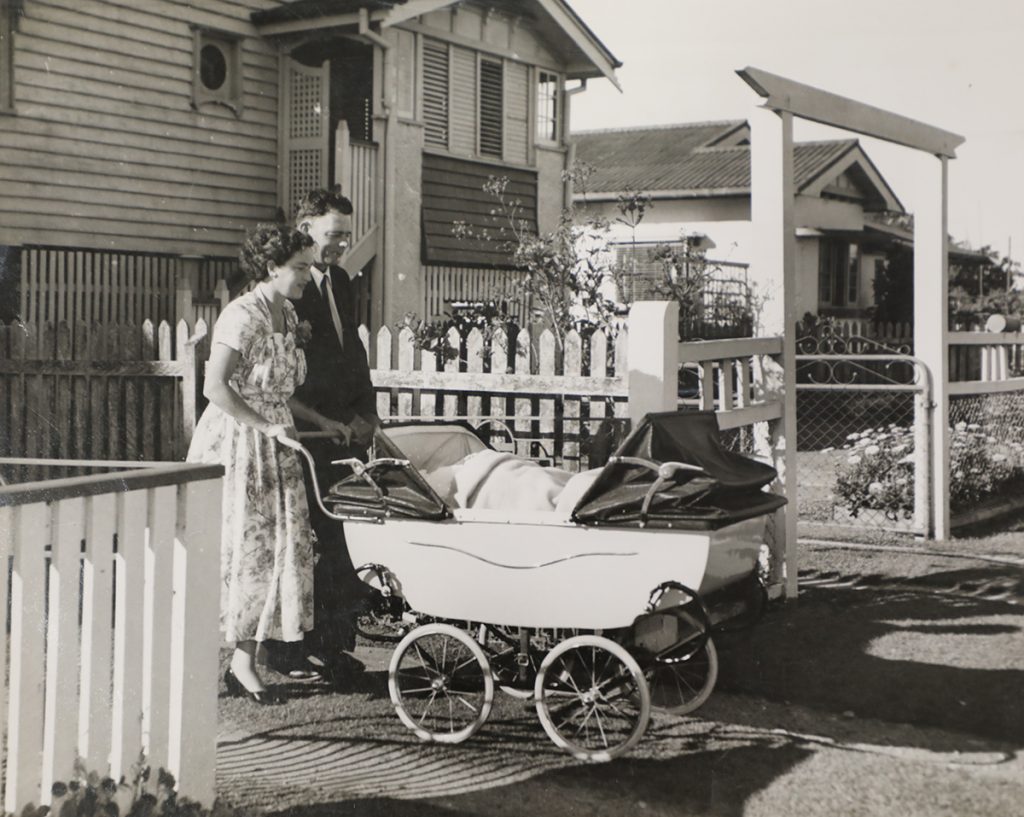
(237, 689)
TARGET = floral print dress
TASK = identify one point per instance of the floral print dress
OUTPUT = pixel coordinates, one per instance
(266, 550)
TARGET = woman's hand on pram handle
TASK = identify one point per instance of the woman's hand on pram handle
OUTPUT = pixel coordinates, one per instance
(281, 432)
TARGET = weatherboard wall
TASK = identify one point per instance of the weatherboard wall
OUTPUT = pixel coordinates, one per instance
(104, 148)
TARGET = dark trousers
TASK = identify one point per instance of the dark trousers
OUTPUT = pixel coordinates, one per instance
(337, 590)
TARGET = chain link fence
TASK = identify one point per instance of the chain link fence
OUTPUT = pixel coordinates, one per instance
(986, 448)
(855, 455)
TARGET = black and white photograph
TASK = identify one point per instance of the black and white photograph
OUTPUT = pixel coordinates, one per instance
(511, 408)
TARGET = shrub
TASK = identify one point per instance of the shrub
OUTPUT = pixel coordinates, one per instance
(89, 794)
(878, 473)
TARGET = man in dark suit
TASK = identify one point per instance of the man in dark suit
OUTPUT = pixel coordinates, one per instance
(338, 386)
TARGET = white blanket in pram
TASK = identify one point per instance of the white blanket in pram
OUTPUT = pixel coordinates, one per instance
(499, 480)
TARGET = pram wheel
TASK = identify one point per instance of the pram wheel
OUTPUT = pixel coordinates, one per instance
(681, 687)
(440, 683)
(592, 698)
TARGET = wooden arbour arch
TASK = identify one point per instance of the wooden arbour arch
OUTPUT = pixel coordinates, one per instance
(772, 205)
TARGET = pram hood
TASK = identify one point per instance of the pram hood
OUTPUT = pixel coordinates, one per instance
(401, 491)
(716, 486)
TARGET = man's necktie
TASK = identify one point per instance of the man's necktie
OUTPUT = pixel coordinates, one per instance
(331, 309)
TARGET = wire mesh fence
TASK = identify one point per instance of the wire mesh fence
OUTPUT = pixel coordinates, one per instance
(856, 459)
(986, 448)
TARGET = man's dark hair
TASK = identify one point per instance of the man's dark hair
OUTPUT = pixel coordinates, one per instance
(322, 201)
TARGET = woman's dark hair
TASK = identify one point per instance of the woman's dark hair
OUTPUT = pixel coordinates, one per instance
(321, 201)
(270, 244)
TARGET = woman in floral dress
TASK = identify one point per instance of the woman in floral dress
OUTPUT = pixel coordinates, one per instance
(255, 365)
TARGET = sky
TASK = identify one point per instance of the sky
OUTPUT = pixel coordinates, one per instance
(953, 64)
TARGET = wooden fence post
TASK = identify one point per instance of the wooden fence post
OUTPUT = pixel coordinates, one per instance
(772, 218)
(653, 357)
(184, 306)
(191, 357)
(195, 640)
(931, 329)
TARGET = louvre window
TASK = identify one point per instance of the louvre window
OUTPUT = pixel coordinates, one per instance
(476, 105)
(491, 108)
(435, 93)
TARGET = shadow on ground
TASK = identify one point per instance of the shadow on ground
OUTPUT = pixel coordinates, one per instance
(715, 783)
(936, 653)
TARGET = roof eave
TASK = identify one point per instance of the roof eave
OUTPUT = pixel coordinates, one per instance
(595, 52)
(661, 195)
(283, 28)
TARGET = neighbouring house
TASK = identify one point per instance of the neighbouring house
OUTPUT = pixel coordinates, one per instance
(140, 141)
(698, 178)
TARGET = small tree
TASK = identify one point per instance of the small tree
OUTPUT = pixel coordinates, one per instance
(570, 276)
(567, 275)
(977, 288)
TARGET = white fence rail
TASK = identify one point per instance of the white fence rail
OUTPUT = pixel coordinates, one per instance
(729, 373)
(986, 362)
(113, 627)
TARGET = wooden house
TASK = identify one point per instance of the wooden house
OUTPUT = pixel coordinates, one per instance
(138, 141)
(698, 177)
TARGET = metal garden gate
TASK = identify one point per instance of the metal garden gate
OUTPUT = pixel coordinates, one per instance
(863, 436)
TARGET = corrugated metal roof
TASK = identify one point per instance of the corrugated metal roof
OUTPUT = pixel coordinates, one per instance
(678, 158)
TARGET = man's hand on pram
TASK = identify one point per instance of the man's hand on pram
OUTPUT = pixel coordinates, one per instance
(341, 432)
(362, 430)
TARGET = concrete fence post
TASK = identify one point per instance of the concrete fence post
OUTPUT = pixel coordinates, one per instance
(653, 357)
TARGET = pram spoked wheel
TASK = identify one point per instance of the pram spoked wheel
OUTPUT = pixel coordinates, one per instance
(681, 687)
(592, 698)
(682, 673)
(440, 683)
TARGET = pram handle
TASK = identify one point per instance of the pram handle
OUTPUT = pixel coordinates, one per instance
(359, 468)
(666, 471)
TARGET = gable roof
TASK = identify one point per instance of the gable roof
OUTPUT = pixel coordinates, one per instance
(707, 159)
(587, 56)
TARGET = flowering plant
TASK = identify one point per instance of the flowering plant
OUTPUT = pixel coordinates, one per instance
(303, 333)
(878, 473)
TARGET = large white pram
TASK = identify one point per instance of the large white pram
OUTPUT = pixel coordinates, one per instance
(593, 605)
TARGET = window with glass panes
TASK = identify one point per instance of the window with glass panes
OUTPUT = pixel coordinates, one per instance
(838, 273)
(547, 106)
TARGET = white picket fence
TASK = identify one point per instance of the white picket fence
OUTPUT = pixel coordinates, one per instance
(551, 399)
(986, 362)
(113, 646)
(884, 332)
